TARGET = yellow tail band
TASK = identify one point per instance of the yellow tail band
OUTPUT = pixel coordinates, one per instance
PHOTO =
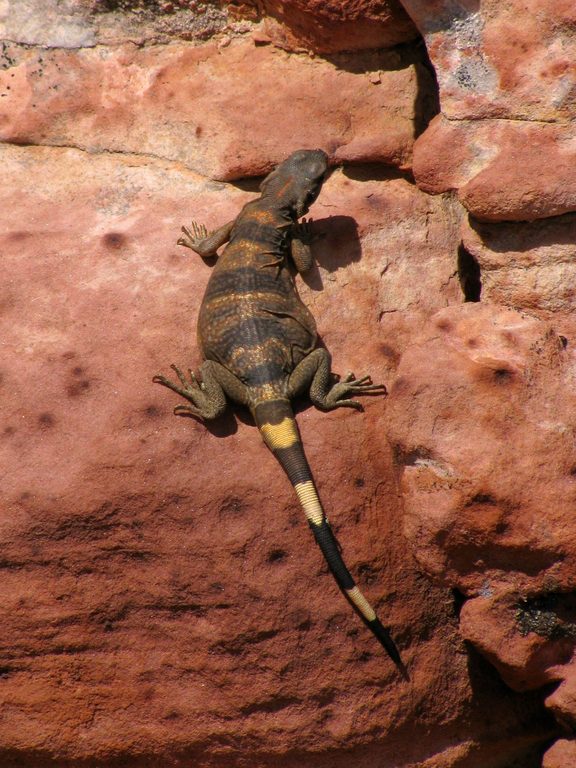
(283, 435)
(361, 603)
(310, 502)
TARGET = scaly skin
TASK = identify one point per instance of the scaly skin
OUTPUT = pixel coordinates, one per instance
(258, 341)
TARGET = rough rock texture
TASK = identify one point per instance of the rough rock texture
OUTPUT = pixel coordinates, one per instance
(156, 601)
(86, 23)
(501, 170)
(329, 27)
(488, 455)
(151, 611)
(482, 417)
(562, 754)
(527, 265)
(212, 108)
(506, 137)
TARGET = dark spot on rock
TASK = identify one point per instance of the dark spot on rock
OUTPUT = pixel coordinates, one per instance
(25, 495)
(276, 556)
(232, 508)
(510, 337)
(483, 498)
(563, 341)
(401, 384)
(271, 705)
(46, 420)
(9, 430)
(501, 528)
(547, 615)
(68, 355)
(18, 236)
(411, 457)
(304, 625)
(78, 388)
(152, 411)
(444, 325)
(77, 370)
(472, 343)
(199, 131)
(359, 482)
(327, 695)
(503, 375)
(367, 573)
(389, 352)
(114, 240)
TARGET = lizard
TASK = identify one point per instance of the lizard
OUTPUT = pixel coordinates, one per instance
(259, 342)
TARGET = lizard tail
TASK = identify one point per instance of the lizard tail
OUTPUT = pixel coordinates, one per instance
(275, 420)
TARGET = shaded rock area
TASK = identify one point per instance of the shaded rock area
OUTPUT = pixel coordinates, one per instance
(163, 602)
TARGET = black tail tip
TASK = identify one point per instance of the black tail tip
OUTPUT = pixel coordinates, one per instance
(389, 646)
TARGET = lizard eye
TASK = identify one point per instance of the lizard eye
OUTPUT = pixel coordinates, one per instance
(313, 192)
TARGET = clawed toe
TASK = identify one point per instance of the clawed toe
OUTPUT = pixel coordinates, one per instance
(351, 404)
(187, 410)
(192, 237)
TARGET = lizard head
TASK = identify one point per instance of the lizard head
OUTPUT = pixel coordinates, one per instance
(296, 183)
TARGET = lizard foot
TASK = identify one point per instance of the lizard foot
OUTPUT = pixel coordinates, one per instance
(194, 391)
(193, 237)
(338, 396)
(303, 232)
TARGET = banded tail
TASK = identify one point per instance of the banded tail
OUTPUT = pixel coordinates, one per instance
(275, 420)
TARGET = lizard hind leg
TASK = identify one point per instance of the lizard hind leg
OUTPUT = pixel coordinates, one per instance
(207, 398)
(313, 372)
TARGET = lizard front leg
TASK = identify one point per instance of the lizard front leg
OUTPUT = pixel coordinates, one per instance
(302, 238)
(314, 373)
(202, 242)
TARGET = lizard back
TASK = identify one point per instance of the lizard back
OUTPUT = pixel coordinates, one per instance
(252, 320)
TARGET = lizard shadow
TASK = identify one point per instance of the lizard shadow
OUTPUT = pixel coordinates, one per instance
(227, 424)
(338, 244)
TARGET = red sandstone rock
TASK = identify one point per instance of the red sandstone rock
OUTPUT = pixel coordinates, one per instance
(521, 636)
(502, 170)
(561, 755)
(162, 599)
(219, 111)
(563, 700)
(488, 481)
(506, 139)
(329, 27)
(527, 265)
(482, 417)
(162, 602)
(501, 58)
